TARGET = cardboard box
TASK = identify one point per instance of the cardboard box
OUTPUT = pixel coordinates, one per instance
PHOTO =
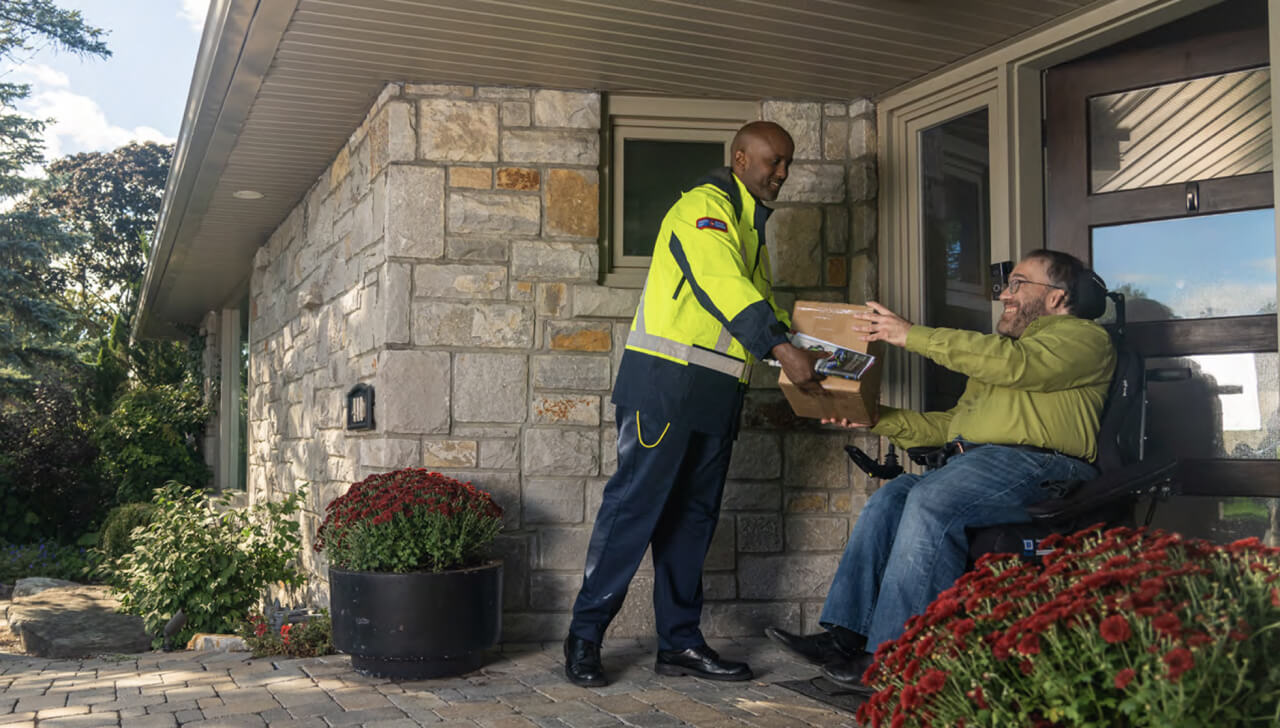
(854, 400)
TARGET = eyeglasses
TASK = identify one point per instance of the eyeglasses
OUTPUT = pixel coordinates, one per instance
(1016, 283)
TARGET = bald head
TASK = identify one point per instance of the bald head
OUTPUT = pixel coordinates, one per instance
(761, 153)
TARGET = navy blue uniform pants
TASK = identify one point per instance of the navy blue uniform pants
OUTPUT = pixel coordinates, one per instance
(665, 493)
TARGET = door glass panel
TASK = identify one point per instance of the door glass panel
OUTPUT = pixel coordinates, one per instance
(1221, 520)
(1204, 128)
(1191, 267)
(1214, 406)
(955, 169)
(655, 173)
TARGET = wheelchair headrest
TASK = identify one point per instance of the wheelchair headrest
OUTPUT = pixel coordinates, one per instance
(1089, 295)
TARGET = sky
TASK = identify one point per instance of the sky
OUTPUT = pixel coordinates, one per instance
(138, 93)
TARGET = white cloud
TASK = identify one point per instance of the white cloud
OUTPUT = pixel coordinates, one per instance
(194, 12)
(1222, 299)
(38, 75)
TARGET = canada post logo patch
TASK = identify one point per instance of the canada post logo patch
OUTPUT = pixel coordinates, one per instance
(714, 224)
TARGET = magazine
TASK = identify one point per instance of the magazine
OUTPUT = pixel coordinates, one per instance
(843, 362)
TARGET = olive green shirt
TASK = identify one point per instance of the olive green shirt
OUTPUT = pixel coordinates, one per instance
(1045, 388)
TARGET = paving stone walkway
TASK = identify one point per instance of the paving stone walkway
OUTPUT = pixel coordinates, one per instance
(522, 686)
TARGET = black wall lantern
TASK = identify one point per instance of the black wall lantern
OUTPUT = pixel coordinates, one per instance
(360, 407)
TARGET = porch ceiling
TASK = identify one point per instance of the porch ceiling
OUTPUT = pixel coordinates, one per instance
(280, 84)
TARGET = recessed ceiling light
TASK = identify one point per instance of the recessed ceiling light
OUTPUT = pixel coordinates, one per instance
(247, 195)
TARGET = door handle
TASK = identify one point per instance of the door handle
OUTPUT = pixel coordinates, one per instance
(1193, 197)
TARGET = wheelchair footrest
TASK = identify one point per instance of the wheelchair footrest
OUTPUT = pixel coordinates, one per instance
(1131, 482)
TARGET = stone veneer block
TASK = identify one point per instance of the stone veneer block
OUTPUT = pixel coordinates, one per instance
(837, 271)
(552, 500)
(569, 409)
(722, 553)
(756, 456)
(490, 387)
(477, 250)
(816, 533)
(807, 464)
(573, 203)
(538, 261)
(864, 229)
(516, 113)
(391, 137)
(835, 228)
(501, 326)
(503, 92)
(560, 451)
(554, 591)
(412, 392)
(383, 453)
(861, 107)
(573, 109)
(438, 89)
(752, 495)
(835, 138)
(414, 211)
(449, 453)
(501, 213)
(802, 120)
(476, 178)
(863, 180)
(835, 109)
(563, 547)
(862, 137)
(814, 183)
(539, 146)
(579, 336)
(785, 576)
(567, 371)
(521, 179)
(457, 131)
(394, 308)
(759, 533)
(460, 281)
(795, 236)
(551, 299)
(594, 300)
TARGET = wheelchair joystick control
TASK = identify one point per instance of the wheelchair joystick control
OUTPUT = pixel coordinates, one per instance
(883, 471)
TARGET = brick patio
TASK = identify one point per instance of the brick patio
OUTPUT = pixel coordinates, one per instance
(522, 685)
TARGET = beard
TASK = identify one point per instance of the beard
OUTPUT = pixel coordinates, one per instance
(1023, 315)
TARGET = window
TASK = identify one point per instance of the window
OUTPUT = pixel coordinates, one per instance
(657, 147)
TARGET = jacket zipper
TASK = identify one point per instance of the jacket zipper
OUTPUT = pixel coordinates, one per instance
(679, 285)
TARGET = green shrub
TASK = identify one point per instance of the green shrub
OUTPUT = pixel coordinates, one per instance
(117, 530)
(49, 487)
(210, 560)
(150, 437)
(46, 558)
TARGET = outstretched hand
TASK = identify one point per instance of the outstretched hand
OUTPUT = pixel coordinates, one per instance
(847, 424)
(798, 365)
(882, 325)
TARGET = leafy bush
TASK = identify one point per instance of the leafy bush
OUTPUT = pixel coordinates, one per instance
(150, 437)
(309, 638)
(210, 560)
(49, 488)
(408, 520)
(117, 530)
(1122, 628)
(45, 559)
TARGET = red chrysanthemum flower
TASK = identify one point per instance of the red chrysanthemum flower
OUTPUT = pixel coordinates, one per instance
(933, 681)
(1115, 629)
(1179, 660)
(1124, 677)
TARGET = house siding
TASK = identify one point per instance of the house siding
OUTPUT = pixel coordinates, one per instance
(449, 257)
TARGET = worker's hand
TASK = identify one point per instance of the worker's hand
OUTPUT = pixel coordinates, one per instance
(798, 365)
(883, 325)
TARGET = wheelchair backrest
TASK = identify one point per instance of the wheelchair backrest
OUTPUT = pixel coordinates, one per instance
(1122, 430)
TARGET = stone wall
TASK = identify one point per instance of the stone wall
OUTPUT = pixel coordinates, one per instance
(449, 257)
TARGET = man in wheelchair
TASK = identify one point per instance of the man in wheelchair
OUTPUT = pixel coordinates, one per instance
(1029, 415)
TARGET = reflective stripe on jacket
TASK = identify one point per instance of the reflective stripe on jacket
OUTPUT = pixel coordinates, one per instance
(707, 310)
(1045, 388)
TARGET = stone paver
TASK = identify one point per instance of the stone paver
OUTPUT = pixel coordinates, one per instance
(521, 686)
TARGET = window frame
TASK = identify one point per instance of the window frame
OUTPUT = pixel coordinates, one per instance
(659, 118)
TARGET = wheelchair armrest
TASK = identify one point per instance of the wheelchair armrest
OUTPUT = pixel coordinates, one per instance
(923, 455)
(1128, 482)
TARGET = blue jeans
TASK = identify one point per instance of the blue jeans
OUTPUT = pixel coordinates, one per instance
(909, 543)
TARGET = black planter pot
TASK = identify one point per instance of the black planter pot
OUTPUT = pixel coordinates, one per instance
(419, 625)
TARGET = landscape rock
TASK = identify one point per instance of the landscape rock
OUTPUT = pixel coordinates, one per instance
(36, 584)
(75, 621)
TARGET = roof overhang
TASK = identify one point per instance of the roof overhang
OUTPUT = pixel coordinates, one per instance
(279, 85)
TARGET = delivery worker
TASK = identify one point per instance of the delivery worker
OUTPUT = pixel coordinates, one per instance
(706, 312)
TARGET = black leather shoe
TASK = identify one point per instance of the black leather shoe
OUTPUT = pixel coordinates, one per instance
(820, 649)
(848, 673)
(702, 662)
(582, 663)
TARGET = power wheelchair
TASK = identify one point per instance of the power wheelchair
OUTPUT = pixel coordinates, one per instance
(1125, 475)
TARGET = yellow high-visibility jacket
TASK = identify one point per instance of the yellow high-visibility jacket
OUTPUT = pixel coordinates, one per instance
(707, 310)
